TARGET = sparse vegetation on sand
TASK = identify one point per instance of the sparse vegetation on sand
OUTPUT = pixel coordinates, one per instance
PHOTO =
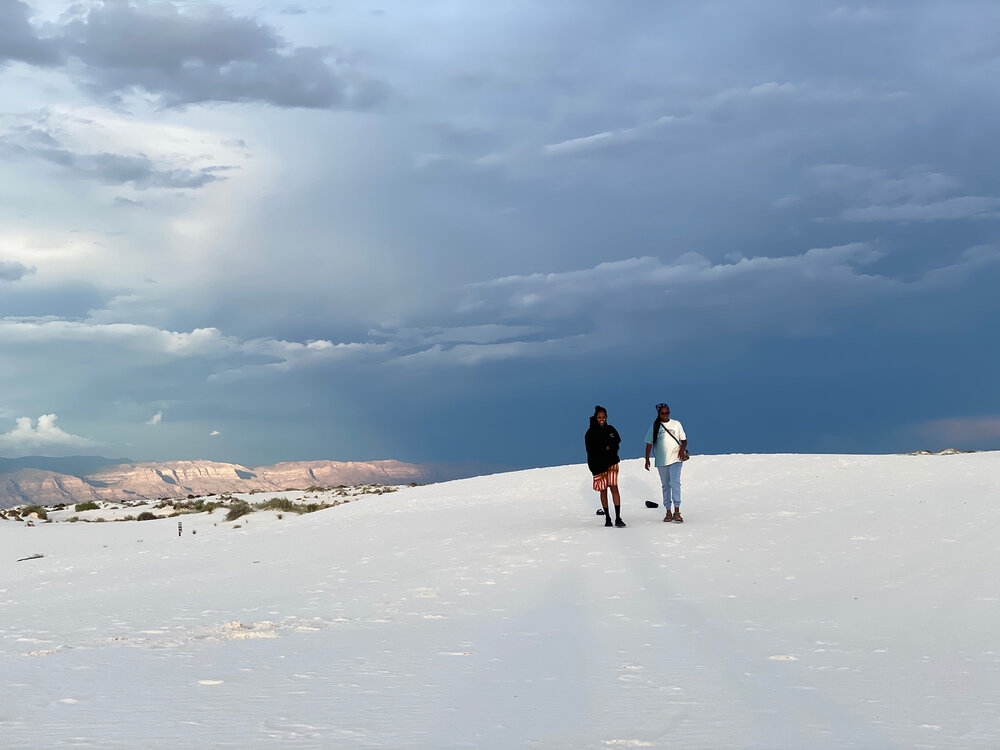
(238, 509)
(306, 501)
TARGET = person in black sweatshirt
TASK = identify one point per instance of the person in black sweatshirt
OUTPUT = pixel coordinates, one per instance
(602, 442)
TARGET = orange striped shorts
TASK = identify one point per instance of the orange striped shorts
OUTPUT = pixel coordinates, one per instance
(607, 479)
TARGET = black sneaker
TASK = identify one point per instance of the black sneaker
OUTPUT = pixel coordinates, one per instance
(651, 504)
(600, 511)
(619, 523)
(607, 521)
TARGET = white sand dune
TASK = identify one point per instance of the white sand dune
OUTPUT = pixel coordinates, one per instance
(807, 602)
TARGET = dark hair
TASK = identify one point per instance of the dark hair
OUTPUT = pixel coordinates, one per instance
(598, 409)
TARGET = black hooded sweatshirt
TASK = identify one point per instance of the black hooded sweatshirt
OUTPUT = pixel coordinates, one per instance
(602, 447)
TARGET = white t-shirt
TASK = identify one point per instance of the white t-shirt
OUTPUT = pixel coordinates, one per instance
(667, 450)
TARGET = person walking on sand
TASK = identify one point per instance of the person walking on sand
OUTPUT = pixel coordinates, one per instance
(668, 438)
(602, 442)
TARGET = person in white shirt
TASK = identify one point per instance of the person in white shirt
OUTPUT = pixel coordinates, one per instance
(667, 436)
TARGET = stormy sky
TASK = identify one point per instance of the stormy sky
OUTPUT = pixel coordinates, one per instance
(445, 230)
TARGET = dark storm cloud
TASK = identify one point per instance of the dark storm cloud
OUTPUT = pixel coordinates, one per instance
(13, 271)
(185, 57)
(123, 202)
(205, 54)
(805, 295)
(18, 39)
(791, 200)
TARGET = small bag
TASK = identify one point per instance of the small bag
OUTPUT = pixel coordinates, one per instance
(683, 455)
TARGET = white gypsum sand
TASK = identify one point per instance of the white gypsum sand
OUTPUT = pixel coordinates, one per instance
(807, 602)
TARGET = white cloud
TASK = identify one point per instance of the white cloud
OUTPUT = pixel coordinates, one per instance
(26, 436)
(690, 281)
(709, 110)
(292, 355)
(524, 316)
(156, 418)
(584, 143)
(131, 336)
(94, 144)
(917, 194)
(962, 207)
(402, 337)
(150, 344)
(213, 433)
(802, 294)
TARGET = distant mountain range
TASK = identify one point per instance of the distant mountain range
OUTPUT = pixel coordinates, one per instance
(42, 480)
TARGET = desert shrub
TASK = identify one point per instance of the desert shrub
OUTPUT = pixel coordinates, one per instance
(89, 505)
(238, 509)
(129, 518)
(147, 516)
(278, 503)
(27, 511)
(72, 519)
(200, 506)
(99, 519)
